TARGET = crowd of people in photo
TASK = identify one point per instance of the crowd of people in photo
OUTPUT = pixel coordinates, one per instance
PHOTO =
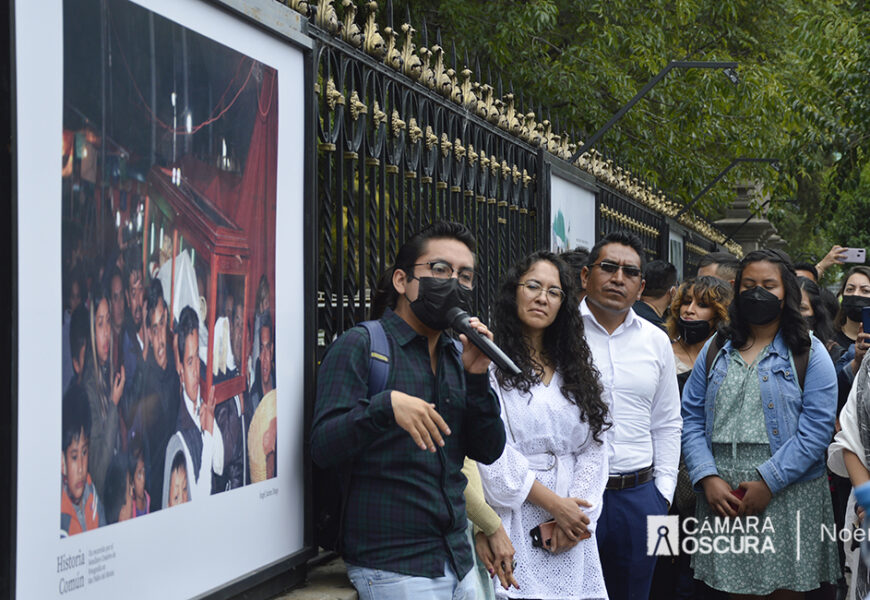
(738, 395)
(140, 431)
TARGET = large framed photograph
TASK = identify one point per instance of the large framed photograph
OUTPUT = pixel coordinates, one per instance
(160, 292)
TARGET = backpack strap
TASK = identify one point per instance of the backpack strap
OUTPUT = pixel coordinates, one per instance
(716, 345)
(379, 361)
(800, 364)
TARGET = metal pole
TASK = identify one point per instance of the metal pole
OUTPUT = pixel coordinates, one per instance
(749, 218)
(772, 161)
(674, 64)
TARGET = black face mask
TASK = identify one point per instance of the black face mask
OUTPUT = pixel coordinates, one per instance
(693, 332)
(758, 306)
(852, 306)
(435, 297)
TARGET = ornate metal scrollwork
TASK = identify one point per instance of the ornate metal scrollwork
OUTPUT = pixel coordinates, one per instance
(398, 125)
(412, 66)
(350, 31)
(357, 108)
(469, 99)
(414, 131)
(431, 138)
(300, 6)
(378, 116)
(472, 155)
(393, 57)
(446, 145)
(373, 41)
(458, 149)
(326, 17)
(333, 96)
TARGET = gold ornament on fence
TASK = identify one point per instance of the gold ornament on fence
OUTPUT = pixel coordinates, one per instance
(357, 108)
(350, 31)
(412, 66)
(393, 58)
(373, 41)
(397, 123)
(414, 131)
(333, 96)
(326, 17)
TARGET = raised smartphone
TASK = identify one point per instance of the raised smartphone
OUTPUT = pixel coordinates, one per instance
(854, 255)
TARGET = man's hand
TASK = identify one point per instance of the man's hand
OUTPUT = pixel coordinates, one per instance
(420, 419)
(206, 413)
(719, 496)
(473, 359)
(118, 386)
(757, 497)
(570, 517)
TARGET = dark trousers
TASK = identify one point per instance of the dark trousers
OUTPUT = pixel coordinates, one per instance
(621, 535)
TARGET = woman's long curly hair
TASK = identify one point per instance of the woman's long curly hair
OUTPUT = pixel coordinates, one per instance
(792, 324)
(565, 347)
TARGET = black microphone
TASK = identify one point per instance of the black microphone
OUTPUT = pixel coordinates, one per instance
(459, 321)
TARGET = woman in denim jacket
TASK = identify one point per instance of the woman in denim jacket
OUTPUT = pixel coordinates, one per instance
(754, 442)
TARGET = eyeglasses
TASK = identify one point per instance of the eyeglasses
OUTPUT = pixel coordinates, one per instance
(533, 289)
(609, 267)
(444, 270)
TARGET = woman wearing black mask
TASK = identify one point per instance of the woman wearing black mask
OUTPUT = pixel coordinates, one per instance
(854, 294)
(756, 428)
(698, 307)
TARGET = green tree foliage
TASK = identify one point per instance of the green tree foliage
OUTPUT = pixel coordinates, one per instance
(803, 94)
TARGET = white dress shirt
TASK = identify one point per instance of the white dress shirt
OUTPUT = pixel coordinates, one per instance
(639, 384)
(212, 450)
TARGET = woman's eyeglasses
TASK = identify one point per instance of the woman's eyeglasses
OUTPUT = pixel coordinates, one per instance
(533, 289)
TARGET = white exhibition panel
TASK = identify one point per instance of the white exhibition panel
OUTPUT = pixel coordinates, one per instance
(675, 251)
(572, 215)
(200, 546)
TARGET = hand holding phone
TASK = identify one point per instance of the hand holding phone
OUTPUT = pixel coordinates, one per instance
(738, 493)
(865, 318)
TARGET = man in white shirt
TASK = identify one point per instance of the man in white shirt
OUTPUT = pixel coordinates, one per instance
(196, 421)
(639, 383)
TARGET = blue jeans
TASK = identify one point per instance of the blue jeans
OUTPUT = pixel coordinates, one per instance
(375, 584)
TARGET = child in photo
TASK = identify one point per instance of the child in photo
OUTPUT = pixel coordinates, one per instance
(178, 490)
(118, 498)
(80, 509)
(141, 498)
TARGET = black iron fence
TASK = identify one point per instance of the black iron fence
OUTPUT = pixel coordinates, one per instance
(404, 139)
(393, 156)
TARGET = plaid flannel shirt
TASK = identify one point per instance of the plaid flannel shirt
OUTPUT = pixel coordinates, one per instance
(405, 508)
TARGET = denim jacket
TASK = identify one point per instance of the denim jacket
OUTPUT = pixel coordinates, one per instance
(799, 425)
